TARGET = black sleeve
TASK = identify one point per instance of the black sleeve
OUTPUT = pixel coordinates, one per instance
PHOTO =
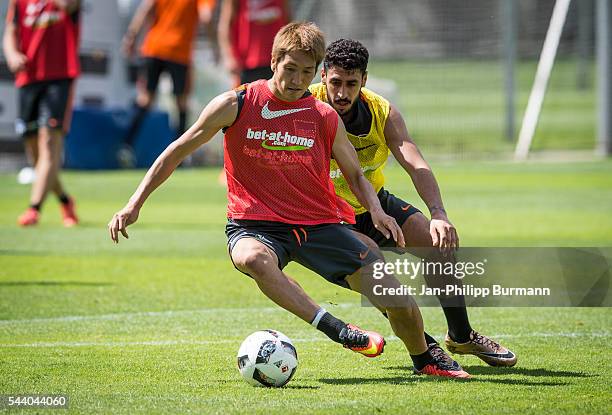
(240, 95)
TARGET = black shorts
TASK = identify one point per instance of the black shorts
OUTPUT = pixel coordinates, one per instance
(393, 206)
(44, 104)
(254, 74)
(330, 250)
(152, 69)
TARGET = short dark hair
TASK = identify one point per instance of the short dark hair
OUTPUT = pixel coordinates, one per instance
(304, 36)
(347, 54)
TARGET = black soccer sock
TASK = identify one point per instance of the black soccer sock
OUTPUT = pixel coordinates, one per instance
(36, 206)
(64, 199)
(428, 339)
(139, 115)
(182, 125)
(459, 328)
(328, 324)
(421, 360)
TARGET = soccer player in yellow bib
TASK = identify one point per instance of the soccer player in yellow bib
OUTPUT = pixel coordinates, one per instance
(377, 129)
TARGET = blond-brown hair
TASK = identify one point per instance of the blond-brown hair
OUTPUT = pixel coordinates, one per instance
(303, 36)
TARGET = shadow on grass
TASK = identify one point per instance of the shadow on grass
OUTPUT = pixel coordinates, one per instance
(538, 372)
(301, 387)
(52, 283)
(488, 370)
(398, 380)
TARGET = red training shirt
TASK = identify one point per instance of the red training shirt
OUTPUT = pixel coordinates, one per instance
(49, 37)
(277, 157)
(253, 30)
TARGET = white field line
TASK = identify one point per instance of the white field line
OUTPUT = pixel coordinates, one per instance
(299, 340)
(168, 313)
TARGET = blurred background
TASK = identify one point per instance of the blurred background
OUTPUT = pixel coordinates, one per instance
(460, 72)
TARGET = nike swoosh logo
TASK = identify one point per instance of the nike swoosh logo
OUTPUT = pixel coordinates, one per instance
(508, 355)
(405, 208)
(363, 148)
(268, 114)
(363, 255)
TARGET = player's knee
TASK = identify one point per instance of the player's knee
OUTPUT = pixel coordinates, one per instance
(416, 231)
(404, 311)
(253, 262)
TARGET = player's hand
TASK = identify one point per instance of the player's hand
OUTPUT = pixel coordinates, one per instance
(16, 61)
(127, 44)
(387, 225)
(231, 65)
(120, 221)
(443, 233)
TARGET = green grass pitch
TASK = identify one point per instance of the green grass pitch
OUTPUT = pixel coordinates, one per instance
(153, 325)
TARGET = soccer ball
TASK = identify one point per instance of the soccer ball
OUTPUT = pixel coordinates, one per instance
(267, 358)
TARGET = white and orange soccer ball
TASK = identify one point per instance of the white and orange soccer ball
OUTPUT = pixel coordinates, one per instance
(267, 358)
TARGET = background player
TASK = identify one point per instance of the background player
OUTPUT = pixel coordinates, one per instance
(167, 47)
(281, 202)
(41, 42)
(246, 33)
(376, 128)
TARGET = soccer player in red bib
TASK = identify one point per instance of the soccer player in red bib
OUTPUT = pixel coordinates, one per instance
(282, 205)
(41, 42)
(246, 33)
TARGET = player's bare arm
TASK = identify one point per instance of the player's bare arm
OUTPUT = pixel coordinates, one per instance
(220, 112)
(226, 15)
(205, 14)
(15, 59)
(144, 12)
(406, 152)
(346, 156)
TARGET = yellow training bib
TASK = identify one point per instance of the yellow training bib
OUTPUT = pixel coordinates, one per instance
(371, 148)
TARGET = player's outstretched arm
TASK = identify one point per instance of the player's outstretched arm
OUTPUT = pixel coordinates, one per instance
(410, 158)
(227, 14)
(220, 112)
(346, 156)
(143, 13)
(205, 14)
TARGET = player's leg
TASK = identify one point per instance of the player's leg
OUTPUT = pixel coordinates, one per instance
(416, 229)
(31, 215)
(260, 262)
(58, 101)
(432, 344)
(146, 87)
(402, 311)
(334, 252)
(31, 148)
(461, 338)
(47, 166)
(401, 211)
(27, 127)
(181, 80)
(405, 320)
(264, 262)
